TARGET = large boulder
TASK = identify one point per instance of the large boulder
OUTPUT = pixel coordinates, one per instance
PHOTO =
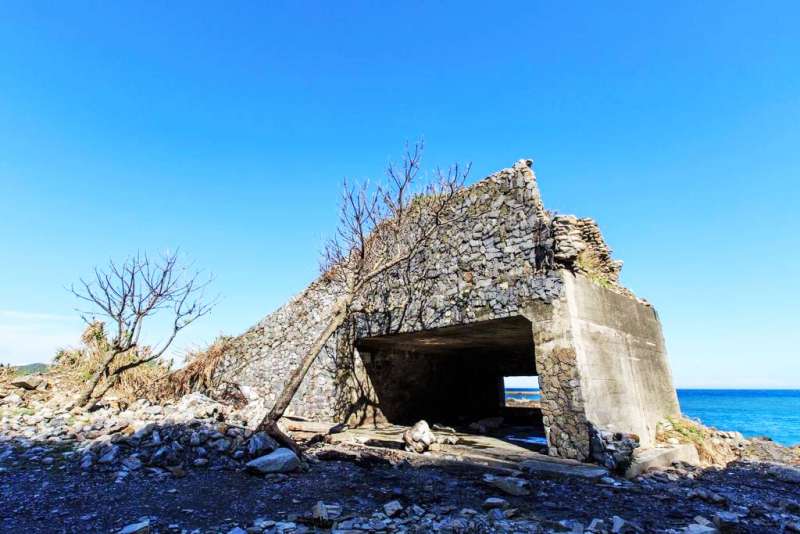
(29, 382)
(261, 443)
(280, 461)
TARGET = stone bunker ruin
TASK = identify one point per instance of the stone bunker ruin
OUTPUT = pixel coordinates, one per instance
(512, 290)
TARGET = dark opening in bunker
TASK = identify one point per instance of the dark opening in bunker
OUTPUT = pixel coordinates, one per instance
(452, 375)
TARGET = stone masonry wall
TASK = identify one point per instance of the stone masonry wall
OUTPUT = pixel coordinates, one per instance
(503, 259)
(262, 358)
(563, 411)
(579, 246)
(484, 268)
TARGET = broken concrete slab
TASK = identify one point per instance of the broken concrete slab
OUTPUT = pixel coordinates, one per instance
(568, 469)
(511, 485)
(486, 451)
(662, 457)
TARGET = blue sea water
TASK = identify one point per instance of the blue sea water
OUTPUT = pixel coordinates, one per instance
(523, 393)
(774, 413)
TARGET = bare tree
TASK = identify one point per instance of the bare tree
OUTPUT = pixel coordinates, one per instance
(381, 229)
(128, 294)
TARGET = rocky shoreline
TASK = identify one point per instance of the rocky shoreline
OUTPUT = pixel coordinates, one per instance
(193, 465)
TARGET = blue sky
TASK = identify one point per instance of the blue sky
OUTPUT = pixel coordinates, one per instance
(226, 129)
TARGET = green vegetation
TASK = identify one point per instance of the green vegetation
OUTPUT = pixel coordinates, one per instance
(8, 371)
(689, 430)
(31, 369)
(589, 264)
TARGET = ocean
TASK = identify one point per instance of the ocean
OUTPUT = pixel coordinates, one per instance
(753, 412)
(774, 413)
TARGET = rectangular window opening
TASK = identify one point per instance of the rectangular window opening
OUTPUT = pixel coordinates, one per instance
(522, 392)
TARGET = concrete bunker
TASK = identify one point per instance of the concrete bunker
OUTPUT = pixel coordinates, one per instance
(511, 290)
(452, 375)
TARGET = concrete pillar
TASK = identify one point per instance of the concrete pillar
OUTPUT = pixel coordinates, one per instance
(602, 362)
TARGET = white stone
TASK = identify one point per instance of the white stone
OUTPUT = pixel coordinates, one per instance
(142, 527)
(495, 502)
(392, 508)
(419, 437)
(280, 461)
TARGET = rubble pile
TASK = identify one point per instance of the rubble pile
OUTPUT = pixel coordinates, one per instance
(195, 431)
(580, 245)
(496, 516)
(613, 450)
(179, 451)
(394, 516)
(720, 447)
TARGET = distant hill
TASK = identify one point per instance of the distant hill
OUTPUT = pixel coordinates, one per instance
(31, 368)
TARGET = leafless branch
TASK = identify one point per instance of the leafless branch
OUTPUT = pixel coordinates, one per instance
(128, 294)
(381, 229)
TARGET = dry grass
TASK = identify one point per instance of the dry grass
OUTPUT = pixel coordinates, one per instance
(710, 448)
(73, 367)
(198, 375)
(719, 448)
(154, 381)
(7, 373)
(589, 263)
(685, 430)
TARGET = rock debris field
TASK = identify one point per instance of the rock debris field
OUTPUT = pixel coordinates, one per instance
(193, 466)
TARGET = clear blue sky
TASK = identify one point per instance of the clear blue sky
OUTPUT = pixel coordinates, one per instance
(226, 129)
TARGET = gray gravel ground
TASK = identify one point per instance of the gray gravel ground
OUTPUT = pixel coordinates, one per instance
(38, 496)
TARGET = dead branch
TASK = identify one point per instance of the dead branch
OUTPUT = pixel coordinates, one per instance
(381, 229)
(130, 293)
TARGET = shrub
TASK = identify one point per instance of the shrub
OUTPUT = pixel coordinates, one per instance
(7, 372)
(75, 366)
(199, 375)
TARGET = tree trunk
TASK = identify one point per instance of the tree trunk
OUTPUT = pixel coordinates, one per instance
(86, 393)
(272, 428)
(91, 403)
(270, 421)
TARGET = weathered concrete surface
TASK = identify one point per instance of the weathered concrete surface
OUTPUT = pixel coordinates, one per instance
(477, 450)
(662, 457)
(564, 416)
(542, 465)
(625, 377)
(602, 363)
